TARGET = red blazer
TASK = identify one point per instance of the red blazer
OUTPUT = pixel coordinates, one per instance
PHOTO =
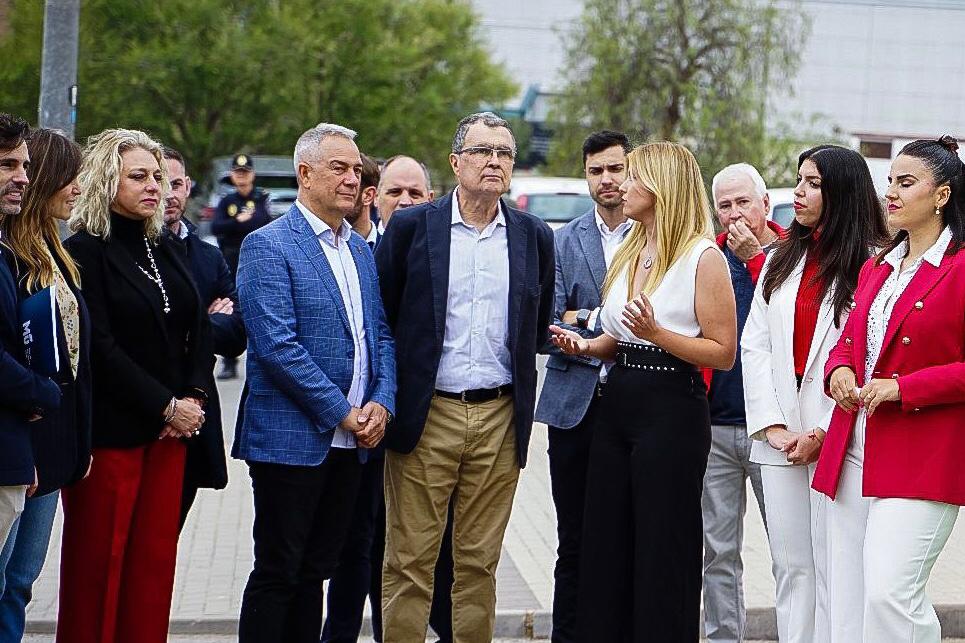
(912, 447)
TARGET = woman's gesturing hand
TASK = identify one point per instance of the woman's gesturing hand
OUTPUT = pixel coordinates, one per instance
(877, 391)
(638, 317)
(567, 341)
(843, 388)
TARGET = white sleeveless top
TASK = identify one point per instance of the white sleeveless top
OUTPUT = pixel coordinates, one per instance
(672, 301)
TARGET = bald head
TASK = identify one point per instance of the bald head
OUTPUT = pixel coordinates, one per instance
(404, 183)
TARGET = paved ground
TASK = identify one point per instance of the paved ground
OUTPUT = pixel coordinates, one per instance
(216, 553)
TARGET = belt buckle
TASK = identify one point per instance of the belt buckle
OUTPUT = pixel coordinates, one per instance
(462, 396)
(622, 359)
(499, 392)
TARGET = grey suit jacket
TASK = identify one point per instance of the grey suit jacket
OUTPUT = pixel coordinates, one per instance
(580, 270)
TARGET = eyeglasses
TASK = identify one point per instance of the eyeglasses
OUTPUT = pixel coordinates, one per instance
(484, 153)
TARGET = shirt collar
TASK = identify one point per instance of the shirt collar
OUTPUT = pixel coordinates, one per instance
(933, 255)
(322, 229)
(605, 229)
(373, 235)
(457, 215)
(183, 231)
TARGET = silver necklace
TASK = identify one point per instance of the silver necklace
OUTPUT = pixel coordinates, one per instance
(647, 263)
(156, 277)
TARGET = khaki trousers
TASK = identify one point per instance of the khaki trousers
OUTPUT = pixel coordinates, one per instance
(469, 451)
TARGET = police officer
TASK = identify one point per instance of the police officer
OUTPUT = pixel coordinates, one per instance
(239, 212)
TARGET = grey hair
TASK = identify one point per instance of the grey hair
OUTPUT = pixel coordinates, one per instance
(488, 119)
(312, 137)
(392, 159)
(740, 169)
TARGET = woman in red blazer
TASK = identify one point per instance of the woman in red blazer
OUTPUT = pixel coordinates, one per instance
(898, 376)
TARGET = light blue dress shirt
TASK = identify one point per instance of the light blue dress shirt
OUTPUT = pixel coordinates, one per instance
(339, 256)
(475, 350)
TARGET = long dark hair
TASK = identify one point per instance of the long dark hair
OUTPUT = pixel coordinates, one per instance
(852, 224)
(55, 162)
(941, 159)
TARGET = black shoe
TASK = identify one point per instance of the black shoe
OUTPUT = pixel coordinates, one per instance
(228, 372)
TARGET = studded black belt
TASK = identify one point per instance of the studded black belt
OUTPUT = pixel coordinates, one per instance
(644, 357)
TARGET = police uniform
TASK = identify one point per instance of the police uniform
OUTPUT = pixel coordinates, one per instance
(226, 226)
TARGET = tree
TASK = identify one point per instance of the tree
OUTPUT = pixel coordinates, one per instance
(695, 71)
(212, 77)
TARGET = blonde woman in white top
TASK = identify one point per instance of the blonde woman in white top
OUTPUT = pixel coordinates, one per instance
(669, 309)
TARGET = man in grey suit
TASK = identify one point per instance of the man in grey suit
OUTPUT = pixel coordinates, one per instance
(584, 249)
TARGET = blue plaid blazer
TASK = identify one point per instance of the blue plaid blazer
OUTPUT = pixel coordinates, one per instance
(300, 349)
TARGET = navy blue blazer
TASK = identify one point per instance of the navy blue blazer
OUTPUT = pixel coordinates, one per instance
(580, 272)
(413, 263)
(21, 389)
(206, 466)
(300, 346)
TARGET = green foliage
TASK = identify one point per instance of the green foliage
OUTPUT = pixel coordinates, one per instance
(696, 71)
(212, 77)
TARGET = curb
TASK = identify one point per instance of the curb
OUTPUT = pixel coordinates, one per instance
(535, 624)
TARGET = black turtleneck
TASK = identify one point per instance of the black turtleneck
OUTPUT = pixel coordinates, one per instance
(129, 234)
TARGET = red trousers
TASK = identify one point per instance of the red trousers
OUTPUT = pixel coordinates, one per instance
(120, 545)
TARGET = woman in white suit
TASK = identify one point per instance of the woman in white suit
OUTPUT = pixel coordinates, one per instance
(801, 303)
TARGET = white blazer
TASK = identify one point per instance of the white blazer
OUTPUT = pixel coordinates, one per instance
(771, 395)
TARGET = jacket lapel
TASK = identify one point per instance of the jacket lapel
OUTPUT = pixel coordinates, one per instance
(921, 284)
(438, 234)
(517, 239)
(592, 244)
(825, 319)
(788, 293)
(311, 246)
(126, 266)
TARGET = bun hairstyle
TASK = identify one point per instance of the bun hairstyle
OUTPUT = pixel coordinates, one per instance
(940, 157)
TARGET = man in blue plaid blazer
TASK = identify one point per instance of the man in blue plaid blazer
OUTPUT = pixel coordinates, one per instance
(321, 386)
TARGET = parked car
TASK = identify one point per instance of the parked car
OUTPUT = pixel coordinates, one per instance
(556, 200)
(274, 174)
(782, 206)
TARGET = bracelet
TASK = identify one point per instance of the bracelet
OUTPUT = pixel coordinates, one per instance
(171, 410)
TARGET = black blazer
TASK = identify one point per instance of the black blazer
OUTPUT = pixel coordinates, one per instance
(413, 264)
(206, 467)
(61, 439)
(129, 360)
(21, 389)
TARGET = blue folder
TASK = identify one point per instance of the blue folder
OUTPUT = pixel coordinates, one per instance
(38, 323)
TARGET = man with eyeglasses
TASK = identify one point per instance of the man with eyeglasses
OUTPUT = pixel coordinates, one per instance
(467, 284)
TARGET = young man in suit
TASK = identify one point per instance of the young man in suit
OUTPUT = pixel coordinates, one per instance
(361, 217)
(205, 466)
(584, 249)
(359, 572)
(25, 396)
(467, 284)
(321, 379)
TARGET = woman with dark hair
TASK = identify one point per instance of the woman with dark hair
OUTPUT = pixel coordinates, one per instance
(892, 458)
(150, 364)
(800, 306)
(61, 439)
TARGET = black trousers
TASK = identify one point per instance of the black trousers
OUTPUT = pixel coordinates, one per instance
(359, 572)
(569, 455)
(301, 519)
(640, 575)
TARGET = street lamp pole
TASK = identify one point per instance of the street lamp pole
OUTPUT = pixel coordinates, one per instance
(58, 67)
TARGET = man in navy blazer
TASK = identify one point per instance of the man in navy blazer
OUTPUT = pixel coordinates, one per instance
(584, 249)
(321, 386)
(467, 284)
(24, 395)
(205, 466)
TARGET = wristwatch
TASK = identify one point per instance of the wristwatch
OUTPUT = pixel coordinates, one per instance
(583, 317)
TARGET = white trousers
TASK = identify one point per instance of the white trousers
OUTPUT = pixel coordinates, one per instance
(796, 532)
(11, 506)
(903, 539)
(847, 518)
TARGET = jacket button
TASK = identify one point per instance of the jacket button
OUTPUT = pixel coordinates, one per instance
(894, 376)
(906, 340)
(809, 380)
(847, 340)
(919, 305)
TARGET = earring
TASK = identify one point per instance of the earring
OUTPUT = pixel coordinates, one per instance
(938, 211)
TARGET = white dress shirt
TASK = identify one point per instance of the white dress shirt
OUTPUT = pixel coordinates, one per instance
(475, 350)
(339, 255)
(611, 240)
(879, 315)
(373, 236)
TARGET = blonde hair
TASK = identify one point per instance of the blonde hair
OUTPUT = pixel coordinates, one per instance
(100, 176)
(681, 217)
